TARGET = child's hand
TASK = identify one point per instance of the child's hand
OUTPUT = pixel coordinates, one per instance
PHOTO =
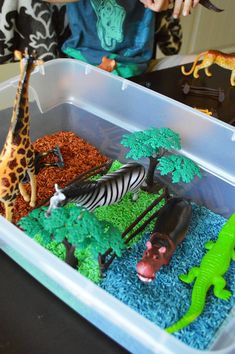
(156, 5)
(184, 7)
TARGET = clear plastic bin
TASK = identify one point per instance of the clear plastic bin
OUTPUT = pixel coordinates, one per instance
(77, 97)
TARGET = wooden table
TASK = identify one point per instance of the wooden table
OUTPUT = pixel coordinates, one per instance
(170, 81)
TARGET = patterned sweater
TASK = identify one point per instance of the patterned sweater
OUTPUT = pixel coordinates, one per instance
(120, 29)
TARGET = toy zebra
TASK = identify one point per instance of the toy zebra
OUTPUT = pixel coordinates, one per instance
(108, 190)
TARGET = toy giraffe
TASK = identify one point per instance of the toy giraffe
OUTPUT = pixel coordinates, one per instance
(17, 157)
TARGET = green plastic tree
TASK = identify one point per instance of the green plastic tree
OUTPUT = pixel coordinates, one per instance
(154, 143)
(76, 228)
(181, 167)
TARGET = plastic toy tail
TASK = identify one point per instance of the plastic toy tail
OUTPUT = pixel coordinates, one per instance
(186, 73)
(196, 308)
(209, 5)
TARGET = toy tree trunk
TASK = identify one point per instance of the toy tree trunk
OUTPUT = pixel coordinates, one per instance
(153, 161)
(101, 262)
(69, 256)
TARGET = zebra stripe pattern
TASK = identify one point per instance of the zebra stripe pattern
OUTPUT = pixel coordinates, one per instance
(108, 190)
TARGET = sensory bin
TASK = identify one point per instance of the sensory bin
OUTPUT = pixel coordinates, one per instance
(157, 301)
(100, 108)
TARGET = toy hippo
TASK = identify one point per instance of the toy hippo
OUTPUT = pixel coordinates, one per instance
(169, 231)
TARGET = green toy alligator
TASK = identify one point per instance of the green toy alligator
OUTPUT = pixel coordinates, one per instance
(212, 268)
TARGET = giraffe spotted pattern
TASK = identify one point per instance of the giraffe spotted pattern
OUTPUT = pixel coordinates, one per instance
(18, 156)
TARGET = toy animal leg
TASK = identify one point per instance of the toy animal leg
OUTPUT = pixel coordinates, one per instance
(203, 65)
(232, 78)
(135, 195)
(9, 210)
(23, 192)
(209, 245)
(208, 73)
(33, 183)
(189, 278)
(219, 291)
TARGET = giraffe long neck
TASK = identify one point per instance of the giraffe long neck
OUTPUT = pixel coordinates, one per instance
(20, 117)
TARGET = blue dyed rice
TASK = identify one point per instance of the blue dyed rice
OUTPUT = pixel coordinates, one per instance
(167, 299)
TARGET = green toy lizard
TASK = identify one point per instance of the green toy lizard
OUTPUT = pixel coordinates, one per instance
(212, 268)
